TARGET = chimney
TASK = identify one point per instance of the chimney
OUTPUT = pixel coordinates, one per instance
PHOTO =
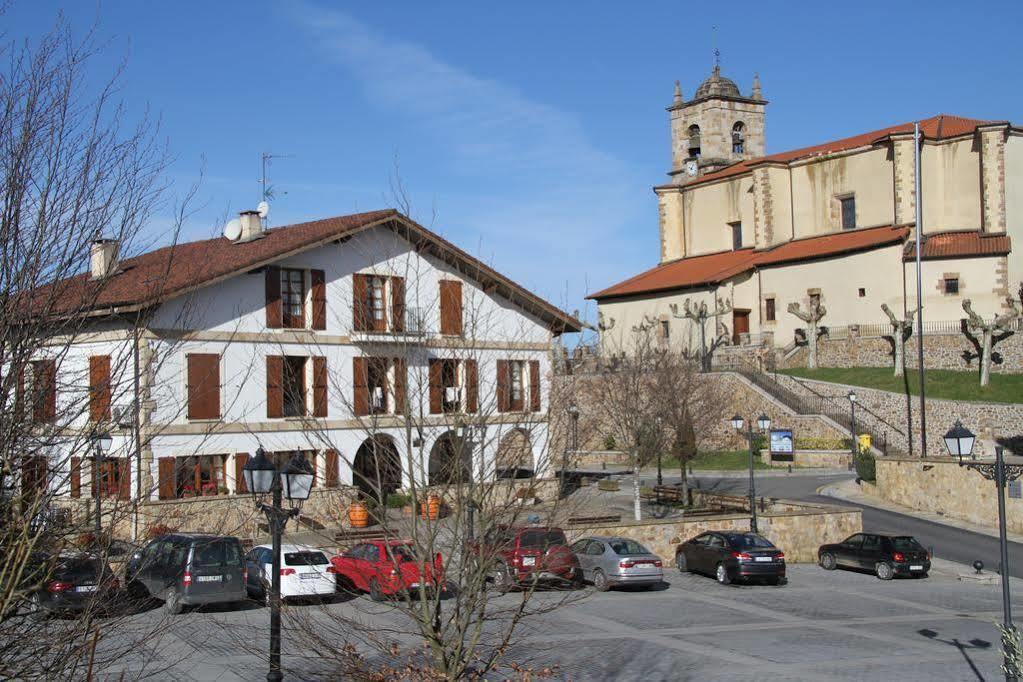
(252, 226)
(103, 257)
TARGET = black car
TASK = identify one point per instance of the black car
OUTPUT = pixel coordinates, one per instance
(732, 555)
(886, 554)
(70, 584)
(189, 568)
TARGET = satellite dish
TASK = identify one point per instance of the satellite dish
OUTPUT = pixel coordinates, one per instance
(233, 229)
(262, 209)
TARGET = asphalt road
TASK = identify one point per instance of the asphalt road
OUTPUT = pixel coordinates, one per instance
(946, 542)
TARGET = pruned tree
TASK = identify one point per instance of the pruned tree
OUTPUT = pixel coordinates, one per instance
(812, 318)
(902, 330)
(700, 314)
(987, 330)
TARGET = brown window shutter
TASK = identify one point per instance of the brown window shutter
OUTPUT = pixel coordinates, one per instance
(534, 386)
(274, 311)
(166, 477)
(240, 460)
(19, 394)
(123, 478)
(400, 385)
(76, 477)
(274, 389)
(99, 388)
(44, 391)
(360, 304)
(331, 479)
(397, 304)
(503, 387)
(436, 365)
(318, 280)
(203, 386)
(319, 387)
(450, 308)
(472, 386)
(360, 378)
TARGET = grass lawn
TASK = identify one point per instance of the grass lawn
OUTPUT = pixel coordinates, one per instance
(941, 383)
(720, 460)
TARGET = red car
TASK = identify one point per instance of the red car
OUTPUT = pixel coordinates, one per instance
(383, 569)
(529, 554)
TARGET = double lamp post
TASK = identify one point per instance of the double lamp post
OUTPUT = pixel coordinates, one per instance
(293, 481)
(763, 426)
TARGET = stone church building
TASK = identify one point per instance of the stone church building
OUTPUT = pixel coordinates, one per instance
(831, 224)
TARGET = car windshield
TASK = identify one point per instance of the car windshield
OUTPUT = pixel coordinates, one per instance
(305, 559)
(401, 553)
(542, 538)
(625, 547)
(749, 541)
(216, 553)
(906, 544)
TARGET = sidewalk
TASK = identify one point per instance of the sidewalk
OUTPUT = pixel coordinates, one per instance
(673, 473)
(850, 491)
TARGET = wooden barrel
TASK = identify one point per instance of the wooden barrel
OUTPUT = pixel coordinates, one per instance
(358, 515)
(431, 508)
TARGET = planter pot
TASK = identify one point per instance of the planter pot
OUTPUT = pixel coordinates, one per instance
(358, 515)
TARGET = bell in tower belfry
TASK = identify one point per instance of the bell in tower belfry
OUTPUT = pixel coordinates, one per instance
(718, 127)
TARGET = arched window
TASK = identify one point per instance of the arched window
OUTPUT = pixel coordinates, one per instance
(694, 140)
(738, 138)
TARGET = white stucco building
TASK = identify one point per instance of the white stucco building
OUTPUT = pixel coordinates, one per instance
(348, 338)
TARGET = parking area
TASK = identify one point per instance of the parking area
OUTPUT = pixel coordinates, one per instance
(823, 625)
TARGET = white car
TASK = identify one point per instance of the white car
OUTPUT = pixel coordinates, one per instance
(303, 572)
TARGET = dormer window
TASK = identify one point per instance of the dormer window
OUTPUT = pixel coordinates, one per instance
(694, 140)
(738, 138)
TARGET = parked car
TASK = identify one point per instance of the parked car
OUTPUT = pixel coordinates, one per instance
(732, 555)
(70, 584)
(187, 569)
(304, 572)
(886, 554)
(612, 561)
(528, 555)
(384, 568)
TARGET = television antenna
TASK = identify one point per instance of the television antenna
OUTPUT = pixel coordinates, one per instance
(268, 191)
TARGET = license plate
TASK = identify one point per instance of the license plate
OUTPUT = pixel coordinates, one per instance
(310, 576)
(209, 578)
(85, 588)
(765, 558)
(916, 568)
(529, 561)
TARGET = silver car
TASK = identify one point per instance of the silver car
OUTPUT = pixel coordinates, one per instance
(610, 561)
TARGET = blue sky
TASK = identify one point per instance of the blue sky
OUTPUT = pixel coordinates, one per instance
(528, 133)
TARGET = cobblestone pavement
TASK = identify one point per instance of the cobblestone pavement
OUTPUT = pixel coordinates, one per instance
(823, 625)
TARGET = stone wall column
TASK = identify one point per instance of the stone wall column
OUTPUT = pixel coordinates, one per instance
(992, 177)
(904, 179)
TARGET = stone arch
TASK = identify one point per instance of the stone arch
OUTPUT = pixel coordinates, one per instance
(693, 133)
(376, 469)
(450, 460)
(739, 138)
(514, 458)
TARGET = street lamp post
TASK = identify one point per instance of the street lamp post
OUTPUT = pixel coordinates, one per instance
(764, 425)
(573, 415)
(101, 443)
(294, 482)
(660, 450)
(465, 435)
(959, 443)
(852, 415)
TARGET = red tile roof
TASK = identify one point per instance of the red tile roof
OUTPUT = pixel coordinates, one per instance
(171, 271)
(940, 127)
(960, 245)
(718, 267)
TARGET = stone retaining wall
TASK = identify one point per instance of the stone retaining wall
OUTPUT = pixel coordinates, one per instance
(831, 459)
(797, 529)
(942, 486)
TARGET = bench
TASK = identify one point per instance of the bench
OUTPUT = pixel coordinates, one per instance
(670, 493)
(358, 534)
(594, 520)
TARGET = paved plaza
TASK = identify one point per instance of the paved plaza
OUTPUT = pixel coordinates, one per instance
(822, 626)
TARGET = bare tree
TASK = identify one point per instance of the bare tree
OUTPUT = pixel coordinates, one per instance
(1001, 323)
(700, 314)
(812, 318)
(902, 330)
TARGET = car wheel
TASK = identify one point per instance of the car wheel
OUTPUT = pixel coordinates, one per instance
(577, 579)
(779, 581)
(722, 575)
(828, 561)
(172, 602)
(268, 597)
(600, 581)
(502, 579)
(36, 610)
(680, 562)
(375, 593)
(884, 570)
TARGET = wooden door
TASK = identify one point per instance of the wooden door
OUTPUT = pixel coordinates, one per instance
(740, 325)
